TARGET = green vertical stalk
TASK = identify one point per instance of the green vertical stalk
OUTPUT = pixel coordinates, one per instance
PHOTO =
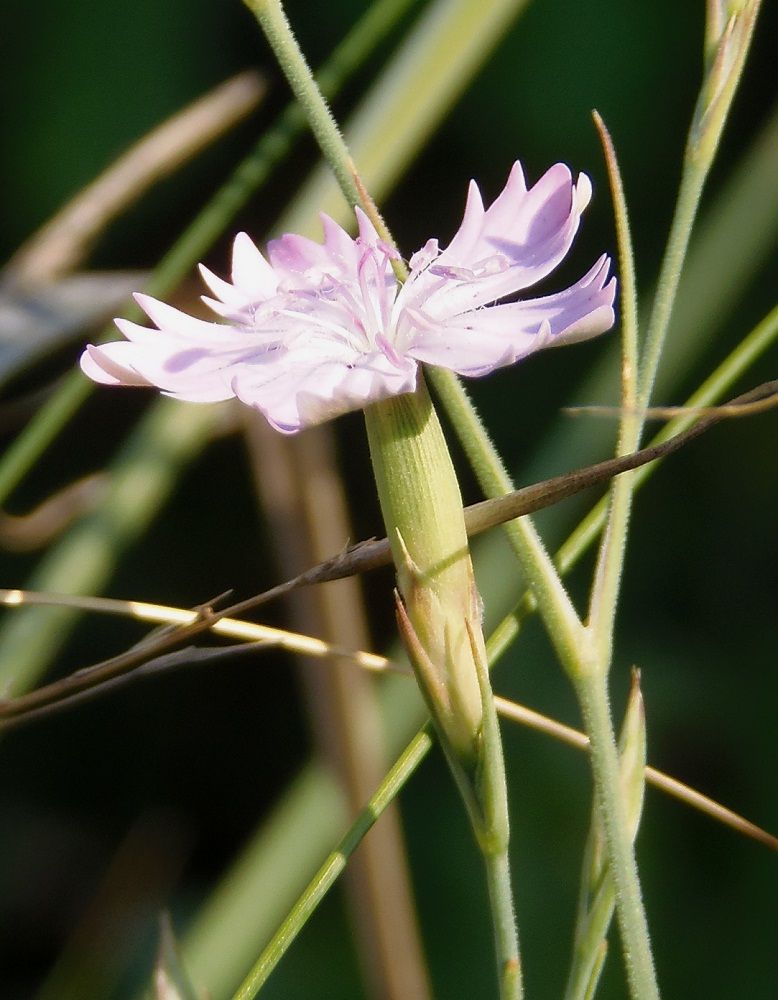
(498, 880)
(333, 866)
(610, 558)
(274, 23)
(725, 62)
(597, 900)
(593, 698)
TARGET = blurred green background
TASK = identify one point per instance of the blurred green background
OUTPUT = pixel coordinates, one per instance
(193, 760)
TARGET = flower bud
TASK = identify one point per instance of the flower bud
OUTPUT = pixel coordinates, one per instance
(440, 612)
(730, 26)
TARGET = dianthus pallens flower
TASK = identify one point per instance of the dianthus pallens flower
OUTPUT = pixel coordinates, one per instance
(317, 329)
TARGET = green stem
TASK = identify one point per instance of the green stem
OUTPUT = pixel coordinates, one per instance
(493, 794)
(610, 559)
(592, 688)
(440, 55)
(554, 604)
(592, 693)
(736, 364)
(689, 195)
(498, 879)
(333, 865)
(275, 25)
(725, 62)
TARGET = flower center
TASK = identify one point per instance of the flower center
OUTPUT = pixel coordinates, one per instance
(353, 307)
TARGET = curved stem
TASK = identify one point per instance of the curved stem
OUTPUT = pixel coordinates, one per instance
(610, 558)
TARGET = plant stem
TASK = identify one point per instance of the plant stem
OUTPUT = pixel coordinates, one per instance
(726, 57)
(592, 690)
(498, 879)
(554, 604)
(334, 864)
(494, 840)
(610, 558)
(274, 23)
(689, 195)
(422, 509)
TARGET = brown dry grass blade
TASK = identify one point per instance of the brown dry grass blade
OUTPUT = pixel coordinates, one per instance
(366, 556)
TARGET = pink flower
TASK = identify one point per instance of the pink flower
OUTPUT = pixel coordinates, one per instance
(318, 329)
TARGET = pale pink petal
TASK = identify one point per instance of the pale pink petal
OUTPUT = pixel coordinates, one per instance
(299, 260)
(527, 220)
(341, 247)
(178, 324)
(367, 231)
(476, 343)
(193, 374)
(424, 257)
(470, 347)
(229, 339)
(519, 240)
(234, 314)
(142, 334)
(116, 364)
(586, 309)
(226, 293)
(502, 212)
(466, 238)
(106, 365)
(337, 258)
(251, 273)
(292, 396)
(203, 389)
(582, 311)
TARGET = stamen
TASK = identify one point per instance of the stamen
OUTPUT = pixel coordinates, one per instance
(368, 268)
(387, 349)
(424, 257)
(389, 252)
(495, 264)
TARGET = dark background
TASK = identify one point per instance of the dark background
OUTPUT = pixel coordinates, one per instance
(200, 756)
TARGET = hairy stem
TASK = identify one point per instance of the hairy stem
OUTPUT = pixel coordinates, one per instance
(592, 692)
